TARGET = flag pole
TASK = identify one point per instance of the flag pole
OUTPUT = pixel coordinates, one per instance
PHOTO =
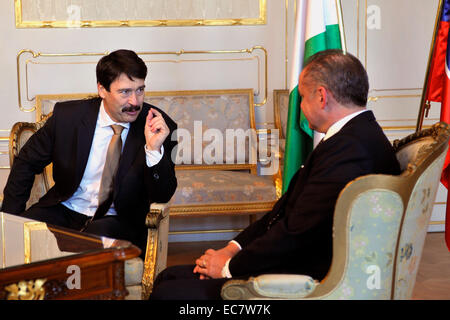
(423, 103)
(341, 25)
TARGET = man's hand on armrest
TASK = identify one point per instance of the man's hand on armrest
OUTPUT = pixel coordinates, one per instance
(211, 264)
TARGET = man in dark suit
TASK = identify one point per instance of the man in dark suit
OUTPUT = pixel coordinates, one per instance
(75, 140)
(296, 236)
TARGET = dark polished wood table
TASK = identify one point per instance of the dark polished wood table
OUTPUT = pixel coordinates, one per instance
(39, 261)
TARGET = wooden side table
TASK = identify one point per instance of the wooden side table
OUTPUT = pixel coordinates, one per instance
(39, 261)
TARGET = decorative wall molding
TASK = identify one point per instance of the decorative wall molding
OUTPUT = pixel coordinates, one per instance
(257, 55)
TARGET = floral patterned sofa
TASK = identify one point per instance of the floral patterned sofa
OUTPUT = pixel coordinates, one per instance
(209, 183)
(217, 153)
(380, 225)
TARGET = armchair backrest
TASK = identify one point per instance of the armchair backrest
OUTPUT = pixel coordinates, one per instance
(381, 221)
(20, 133)
(211, 118)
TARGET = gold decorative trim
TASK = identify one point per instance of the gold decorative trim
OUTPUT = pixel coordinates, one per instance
(26, 290)
(20, 23)
(407, 119)
(149, 263)
(441, 222)
(205, 231)
(222, 209)
(402, 128)
(28, 227)
(3, 239)
(251, 167)
(177, 53)
(396, 96)
(76, 234)
(277, 94)
(153, 219)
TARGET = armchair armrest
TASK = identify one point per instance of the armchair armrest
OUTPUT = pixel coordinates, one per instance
(157, 221)
(269, 286)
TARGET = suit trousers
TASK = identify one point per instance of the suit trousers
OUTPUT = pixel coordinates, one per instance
(180, 283)
(106, 226)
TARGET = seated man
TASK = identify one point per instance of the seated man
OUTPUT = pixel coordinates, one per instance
(296, 236)
(102, 186)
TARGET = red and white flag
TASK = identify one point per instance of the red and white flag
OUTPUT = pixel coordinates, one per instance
(439, 91)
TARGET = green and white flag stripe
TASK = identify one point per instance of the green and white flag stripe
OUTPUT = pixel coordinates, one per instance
(316, 29)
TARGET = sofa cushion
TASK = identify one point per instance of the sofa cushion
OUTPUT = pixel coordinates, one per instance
(221, 187)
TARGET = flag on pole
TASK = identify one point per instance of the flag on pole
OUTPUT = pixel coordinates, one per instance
(438, 90)
(316, 29)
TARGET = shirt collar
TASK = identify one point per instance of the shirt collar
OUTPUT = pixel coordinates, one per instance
(104, 120)
(338, 125)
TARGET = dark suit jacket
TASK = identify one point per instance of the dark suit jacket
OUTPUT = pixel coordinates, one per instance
(65, 140)
(296, 236)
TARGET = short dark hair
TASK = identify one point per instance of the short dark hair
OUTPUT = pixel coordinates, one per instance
(111, 66)
(341, 73)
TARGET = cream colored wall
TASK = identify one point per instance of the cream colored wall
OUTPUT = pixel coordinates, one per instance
(81, 77)
(395, 54)
(393, 42)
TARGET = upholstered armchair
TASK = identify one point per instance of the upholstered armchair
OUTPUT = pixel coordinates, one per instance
(380, 224)
(139, 275)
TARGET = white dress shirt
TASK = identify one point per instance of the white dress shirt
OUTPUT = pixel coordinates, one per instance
(85, 198)
(332, 130)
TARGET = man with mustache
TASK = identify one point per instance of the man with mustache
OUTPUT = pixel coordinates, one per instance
(76, 139)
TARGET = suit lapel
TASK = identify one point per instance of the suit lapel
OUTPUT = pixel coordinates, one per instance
(134, 144)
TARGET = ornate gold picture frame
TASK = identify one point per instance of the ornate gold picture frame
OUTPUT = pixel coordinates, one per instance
(137, 13)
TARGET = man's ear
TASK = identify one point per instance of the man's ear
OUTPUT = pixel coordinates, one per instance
(101, 90)
(322, 96)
